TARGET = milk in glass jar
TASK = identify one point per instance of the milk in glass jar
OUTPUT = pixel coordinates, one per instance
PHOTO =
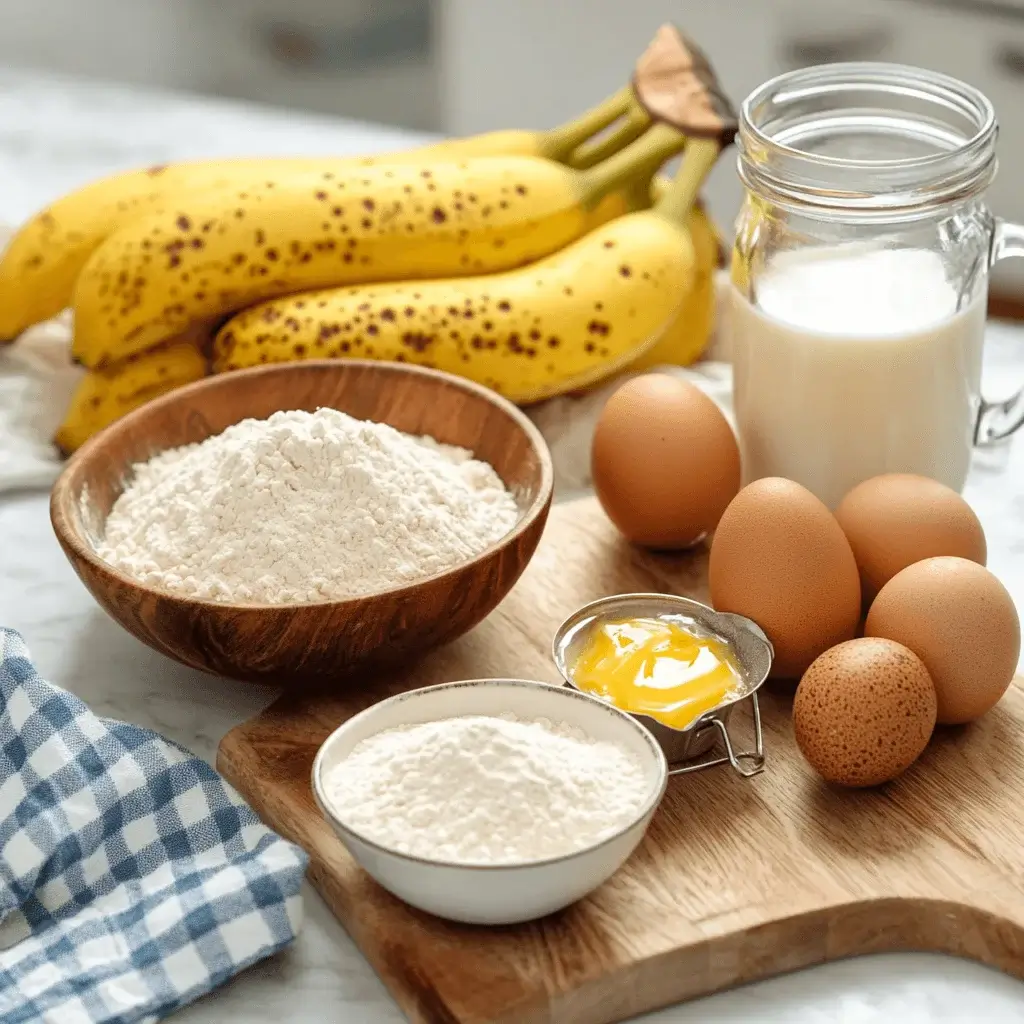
(860, 275)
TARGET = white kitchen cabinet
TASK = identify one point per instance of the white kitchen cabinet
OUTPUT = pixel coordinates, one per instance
(536, 62)
(348, 57)
(151, 42)
(365, 60)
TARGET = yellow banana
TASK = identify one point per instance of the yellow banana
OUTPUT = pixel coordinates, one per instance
(212, 256)
(755, 221)
(104, 396)
(557, 325)
(528, 333)
(686, 338)
(39, 266)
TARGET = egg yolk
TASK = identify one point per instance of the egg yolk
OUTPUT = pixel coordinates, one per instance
(656, 667)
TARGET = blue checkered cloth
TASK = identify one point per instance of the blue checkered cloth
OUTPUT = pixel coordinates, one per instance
(133, 879)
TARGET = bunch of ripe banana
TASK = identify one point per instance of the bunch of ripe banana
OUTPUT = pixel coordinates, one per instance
(534, 263)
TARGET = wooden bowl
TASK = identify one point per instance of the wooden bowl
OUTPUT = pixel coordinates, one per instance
(316, 642)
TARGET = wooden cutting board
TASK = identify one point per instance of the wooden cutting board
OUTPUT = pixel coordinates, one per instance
(736, 880)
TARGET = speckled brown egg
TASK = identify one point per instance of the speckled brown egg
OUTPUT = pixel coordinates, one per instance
(780, 558)
(961, 622)
(894, 520)
(664, 461)
(864, 711)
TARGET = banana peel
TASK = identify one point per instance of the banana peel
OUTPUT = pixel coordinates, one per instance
(104, 396)
(687, 338)
(41, 262)
(235, 248)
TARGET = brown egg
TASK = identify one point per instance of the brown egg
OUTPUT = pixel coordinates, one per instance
(664, 461)
(961, 622)
(779, 558)
(864, 711)
(894, 520)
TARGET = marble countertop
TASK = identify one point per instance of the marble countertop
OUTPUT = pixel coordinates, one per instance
(55, 134)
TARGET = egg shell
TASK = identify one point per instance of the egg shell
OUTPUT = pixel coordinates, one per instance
(897, 519)
(961, 622)
(780, 558)
(664, 461)
(864, 711)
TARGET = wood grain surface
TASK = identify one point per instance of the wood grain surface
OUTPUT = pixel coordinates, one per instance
(304, 644)
(736, 880)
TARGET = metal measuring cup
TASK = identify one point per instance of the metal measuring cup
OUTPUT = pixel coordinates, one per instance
(682, 747)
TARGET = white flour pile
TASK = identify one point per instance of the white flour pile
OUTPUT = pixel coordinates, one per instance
(486, 790)
(304, 507)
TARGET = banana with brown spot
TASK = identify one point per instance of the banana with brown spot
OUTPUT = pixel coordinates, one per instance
(39, 266)
(211, 257)
(557, 325)
(103, 396)
(687, 337)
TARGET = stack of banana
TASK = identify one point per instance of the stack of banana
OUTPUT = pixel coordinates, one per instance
(533, 263)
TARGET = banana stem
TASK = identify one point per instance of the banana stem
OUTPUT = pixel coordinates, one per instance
(558, 143)
(637, 162)
(638, 195)
(595, 150)
(680, 196)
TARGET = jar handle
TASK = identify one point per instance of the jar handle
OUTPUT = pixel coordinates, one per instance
(998, 420)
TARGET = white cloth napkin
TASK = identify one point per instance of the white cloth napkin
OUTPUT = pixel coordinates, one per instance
(36, 383)
(37, 380)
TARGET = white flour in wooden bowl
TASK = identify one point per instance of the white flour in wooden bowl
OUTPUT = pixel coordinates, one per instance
(304, 507)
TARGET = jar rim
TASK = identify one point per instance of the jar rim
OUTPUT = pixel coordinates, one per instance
(787, 173)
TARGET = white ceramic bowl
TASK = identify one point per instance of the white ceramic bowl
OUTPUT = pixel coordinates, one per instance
(504, 894)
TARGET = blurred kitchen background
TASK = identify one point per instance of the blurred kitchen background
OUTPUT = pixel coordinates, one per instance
(462, 66)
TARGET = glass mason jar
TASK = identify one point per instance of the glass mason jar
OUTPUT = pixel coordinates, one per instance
(860, 277)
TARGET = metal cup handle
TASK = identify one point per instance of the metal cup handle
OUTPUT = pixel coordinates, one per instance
(746, 762)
